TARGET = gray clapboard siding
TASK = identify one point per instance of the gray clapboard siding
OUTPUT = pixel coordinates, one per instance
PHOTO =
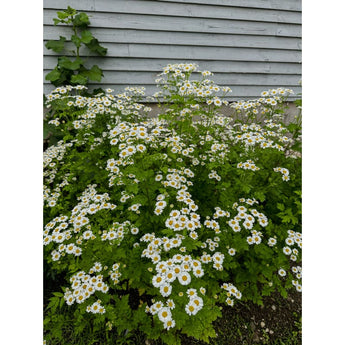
(289, 5)
(193, 52)
(186, 24)
(156, 37)
(184, 38)
(156, 65)
(250, 45)
(98, 5)
(170, 9)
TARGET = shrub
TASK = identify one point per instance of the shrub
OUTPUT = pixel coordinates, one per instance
(155, 223)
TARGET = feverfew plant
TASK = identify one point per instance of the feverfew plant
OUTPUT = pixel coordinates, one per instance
(156, 223)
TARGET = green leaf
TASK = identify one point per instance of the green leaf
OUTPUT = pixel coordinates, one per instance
(79, 79)
(46, 130)
(261, 196)
(96, 47)
(76, 40)
(65, 62)
(62, 15)
(81, 19)
(56, 21)
(71, 11)
(280, 207)
(95, 73)
(56, 46)
(53, 75)
(86, 37)
(298, 102)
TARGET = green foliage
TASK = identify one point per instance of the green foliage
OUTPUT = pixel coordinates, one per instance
(72, 71)
(155, 223)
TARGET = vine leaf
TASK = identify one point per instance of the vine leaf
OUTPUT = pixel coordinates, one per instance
(94, 46)
(95, 73)
(81, 19)
(65, 62)
(56, 46)
(79, 79)
(53, 75)
(86, 37)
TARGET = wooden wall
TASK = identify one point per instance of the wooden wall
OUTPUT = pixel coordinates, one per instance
(250, 45)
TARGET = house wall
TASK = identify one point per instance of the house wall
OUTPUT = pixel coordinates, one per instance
(250, 45)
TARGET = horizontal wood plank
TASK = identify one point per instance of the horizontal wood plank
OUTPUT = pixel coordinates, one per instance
(107, 35)
(230, 79)
(193, 53)
(181, 24)
(182, 10)
(290, 5)
(157, 65)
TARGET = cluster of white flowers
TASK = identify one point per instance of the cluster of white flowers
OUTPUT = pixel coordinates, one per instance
(213, 175)
(195, 302)
(204, 88)
(115, 234)
(269, 97)
(163, 312)
(61, 91)
(248, 220)
(95, 308)
(99, 104)
(231, 290)
(84, 286)
(255, 238)
(183, 219)
(248, 165)
(294, 239)
(54, 122)
(115, 273)
(61, 228)
(285, 172)
(131, 139)
(297, 271)
(52, 161)
(180, 268)
(179, 69)
(271, 135)
(218, 259)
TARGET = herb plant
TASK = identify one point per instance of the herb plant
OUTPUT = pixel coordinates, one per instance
(155, 223)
